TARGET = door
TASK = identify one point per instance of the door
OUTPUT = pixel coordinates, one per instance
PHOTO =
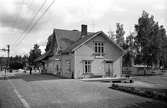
(57, 68)
(109, 69)
(68, 66)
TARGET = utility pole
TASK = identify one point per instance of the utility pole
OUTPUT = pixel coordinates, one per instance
(8, 50)
(8, 53)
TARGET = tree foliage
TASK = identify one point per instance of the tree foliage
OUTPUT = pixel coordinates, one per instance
(112, 36)
(120, 34)
(130, 52)
(18, 62)
(150, 40)
(34, 54)
(146, 45)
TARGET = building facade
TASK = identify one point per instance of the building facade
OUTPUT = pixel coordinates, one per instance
(75, 54)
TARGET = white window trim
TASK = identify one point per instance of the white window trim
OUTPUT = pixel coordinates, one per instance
(68, 64)
(98, 46)
(89, 63)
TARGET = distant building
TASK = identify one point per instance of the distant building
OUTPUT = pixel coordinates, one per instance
(137, 69)
(75, 54)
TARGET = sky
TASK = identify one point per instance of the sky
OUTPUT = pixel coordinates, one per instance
(19, 30)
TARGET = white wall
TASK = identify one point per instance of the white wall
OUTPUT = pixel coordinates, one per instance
(51, 65)
(85, 52)
(117, 67)
(65, 72)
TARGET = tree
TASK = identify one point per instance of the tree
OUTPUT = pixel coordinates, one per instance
(149, 40)
(130, 51)
(118, 37)
(120, 34)
(112, 36)
(34, 53)
(16, 62)
(25, 60)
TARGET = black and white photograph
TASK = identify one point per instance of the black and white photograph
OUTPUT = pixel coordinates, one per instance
(83, 54)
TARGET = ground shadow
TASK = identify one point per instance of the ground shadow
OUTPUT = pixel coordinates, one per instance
(149, 105)
(35, 77)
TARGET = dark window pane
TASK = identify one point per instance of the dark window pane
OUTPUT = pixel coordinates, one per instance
(102, 49)
(85, 68)
(95, 49)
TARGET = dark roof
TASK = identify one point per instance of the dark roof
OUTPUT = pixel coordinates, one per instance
(66, 41)
(66, 38)
(78, 42)
(43, 56)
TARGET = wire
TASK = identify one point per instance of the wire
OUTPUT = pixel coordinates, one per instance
(46, 10)
(31, 22)
(18, 14)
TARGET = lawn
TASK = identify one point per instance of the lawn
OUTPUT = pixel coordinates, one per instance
(158, 80)
(147, 86)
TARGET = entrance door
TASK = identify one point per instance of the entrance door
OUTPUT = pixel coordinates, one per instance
(109, 69)
(57, 68)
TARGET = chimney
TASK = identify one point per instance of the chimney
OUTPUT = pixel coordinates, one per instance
(83, 30)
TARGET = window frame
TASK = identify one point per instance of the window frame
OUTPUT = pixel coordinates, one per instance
(87, 66)
(99, 48)
(68, 65)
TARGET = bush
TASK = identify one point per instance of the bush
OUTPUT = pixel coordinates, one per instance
(141, 91)
(114, 85)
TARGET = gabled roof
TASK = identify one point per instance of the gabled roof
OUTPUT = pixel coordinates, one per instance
(69, 40)
(44, 56)
(66, 38)
(79, 42)
(83, 40)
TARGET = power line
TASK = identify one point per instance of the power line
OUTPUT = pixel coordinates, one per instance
(31, 22)
(46, 10)
(16, 19)
(18, 14)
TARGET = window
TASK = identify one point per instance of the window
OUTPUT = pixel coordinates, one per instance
(68, 65)
(87, 66)
(99, 49)
(57, 67)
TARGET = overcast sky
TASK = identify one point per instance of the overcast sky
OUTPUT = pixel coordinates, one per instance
(16, 15)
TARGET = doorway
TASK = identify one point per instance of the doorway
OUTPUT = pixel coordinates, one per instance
(108, 69)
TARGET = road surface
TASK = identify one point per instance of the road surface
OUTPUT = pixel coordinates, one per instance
(67, 93)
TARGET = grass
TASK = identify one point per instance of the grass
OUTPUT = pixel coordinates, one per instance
(155, 93)
(147, 105)
(158, 80)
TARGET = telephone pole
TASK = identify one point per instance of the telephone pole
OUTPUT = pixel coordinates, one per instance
(8, 53)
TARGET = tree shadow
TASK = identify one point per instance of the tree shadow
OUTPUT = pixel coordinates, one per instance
(35, 77)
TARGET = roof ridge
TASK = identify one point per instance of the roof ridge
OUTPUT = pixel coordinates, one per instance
(67, 30)
(73, 30)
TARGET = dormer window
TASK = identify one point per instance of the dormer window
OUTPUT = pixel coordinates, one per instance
(99, 48)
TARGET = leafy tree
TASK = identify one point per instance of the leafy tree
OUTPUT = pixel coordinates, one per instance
(150, 40)
(118, 37)
(34, 53)
(120, 34)
(112, 35)
(130, 51)
(25, 60)
(16, 62)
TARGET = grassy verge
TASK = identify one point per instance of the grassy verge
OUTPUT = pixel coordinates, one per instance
(159, 94)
